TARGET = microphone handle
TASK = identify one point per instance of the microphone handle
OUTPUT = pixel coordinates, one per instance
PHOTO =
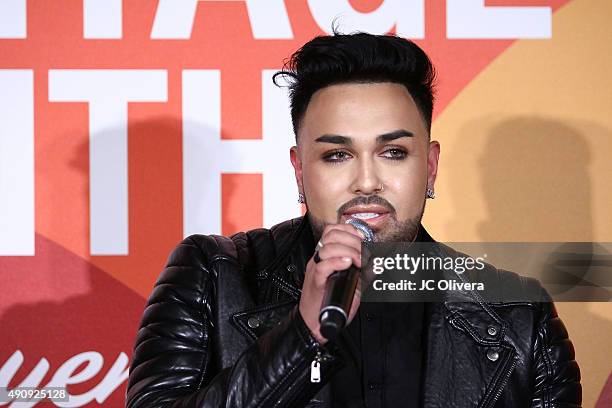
(336, 306)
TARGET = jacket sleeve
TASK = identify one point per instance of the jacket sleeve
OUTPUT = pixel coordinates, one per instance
(173, 363)
(557, 375)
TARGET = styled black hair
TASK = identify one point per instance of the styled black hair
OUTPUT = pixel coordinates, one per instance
(358, 58)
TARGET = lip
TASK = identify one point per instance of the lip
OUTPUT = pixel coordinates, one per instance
(375, 223)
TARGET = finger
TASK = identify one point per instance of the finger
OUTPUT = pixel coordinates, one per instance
(323, 269)
(343, 227)
(342, 237)
(337, 250)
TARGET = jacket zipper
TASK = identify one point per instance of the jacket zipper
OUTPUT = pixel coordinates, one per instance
(505, 377)
(316, 364)
(315, 368)
(296, 372)
(316, 361)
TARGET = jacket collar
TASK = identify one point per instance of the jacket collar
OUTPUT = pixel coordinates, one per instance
(464, 333)
(299, 249)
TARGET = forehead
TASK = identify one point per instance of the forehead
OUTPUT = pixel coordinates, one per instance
(361, 111)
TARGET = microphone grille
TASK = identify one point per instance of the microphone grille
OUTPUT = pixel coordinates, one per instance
(363, 227)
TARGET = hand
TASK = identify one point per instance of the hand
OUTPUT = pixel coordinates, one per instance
(341, 248)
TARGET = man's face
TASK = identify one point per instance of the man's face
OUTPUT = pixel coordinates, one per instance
(363, 152)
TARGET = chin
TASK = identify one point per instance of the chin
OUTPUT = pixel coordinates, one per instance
(399, 231)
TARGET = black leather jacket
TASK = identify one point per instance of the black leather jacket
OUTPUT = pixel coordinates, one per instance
(221, 329)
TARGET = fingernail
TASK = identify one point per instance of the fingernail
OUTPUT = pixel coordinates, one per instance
(346, 259)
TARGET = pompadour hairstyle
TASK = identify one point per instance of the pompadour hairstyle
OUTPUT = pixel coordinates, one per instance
(358, 58)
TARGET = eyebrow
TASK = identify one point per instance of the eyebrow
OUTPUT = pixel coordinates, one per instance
(345, 140)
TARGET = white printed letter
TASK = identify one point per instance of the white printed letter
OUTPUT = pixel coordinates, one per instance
(408, 17)
(472, 19)
(206, 156)
(13, 19)
(16, 162)
(33, 380)
(174, 19)
(116, 376)
(102, 19)
(65, 375)
(108, 93)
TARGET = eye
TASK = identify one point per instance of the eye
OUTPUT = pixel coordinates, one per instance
(336, 156)
(395, 153)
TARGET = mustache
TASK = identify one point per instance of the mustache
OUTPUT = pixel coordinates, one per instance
(366, 200)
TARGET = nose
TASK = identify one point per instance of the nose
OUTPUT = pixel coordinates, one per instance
(366, 180)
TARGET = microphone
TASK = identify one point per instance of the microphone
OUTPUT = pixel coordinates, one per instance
(340, 290)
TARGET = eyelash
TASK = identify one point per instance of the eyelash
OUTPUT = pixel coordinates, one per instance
(328, 156)
(402, 153)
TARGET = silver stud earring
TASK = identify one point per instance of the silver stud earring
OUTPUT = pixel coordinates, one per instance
(430, 193)
(301, 198)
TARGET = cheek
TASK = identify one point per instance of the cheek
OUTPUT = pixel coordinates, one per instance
(406, 191)
(325, 190)
(322, 178)
(320, 186)
(409, 189)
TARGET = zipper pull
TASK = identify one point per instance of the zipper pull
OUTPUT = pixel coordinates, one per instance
(315, 369)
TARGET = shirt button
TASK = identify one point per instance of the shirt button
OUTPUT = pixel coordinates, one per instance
(492, 330)
(253, 322)
(291, 268)
(370, 317)
(372, 385)
(492, 355)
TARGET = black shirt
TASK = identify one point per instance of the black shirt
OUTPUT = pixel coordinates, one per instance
(383, 347)
(383, 351)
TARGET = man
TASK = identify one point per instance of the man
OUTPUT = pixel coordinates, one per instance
(233, 322)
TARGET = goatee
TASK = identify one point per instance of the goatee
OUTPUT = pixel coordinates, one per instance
(395, 231)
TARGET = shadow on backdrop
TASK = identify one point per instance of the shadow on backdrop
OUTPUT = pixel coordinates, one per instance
(534, 176)
(88, 309)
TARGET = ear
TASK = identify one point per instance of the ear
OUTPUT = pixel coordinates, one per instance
(433, 154)
(296, 162)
